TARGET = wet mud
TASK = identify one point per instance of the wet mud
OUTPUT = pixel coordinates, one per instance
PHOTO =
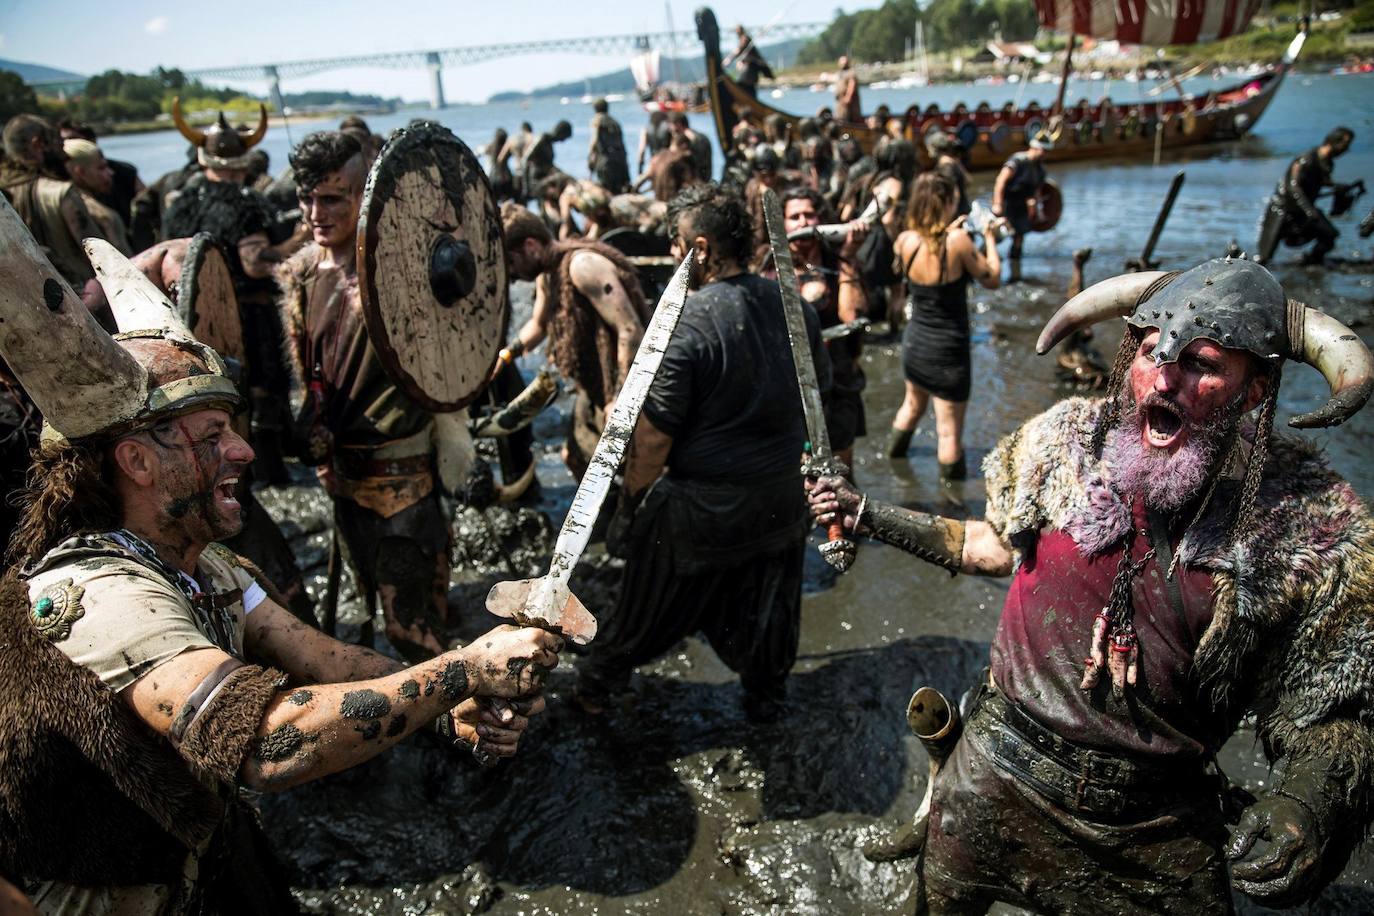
(672, 802)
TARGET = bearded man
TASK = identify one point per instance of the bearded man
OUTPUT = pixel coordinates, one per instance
(588, 302)
(374, 445)
(144, 679)
(33, 178)
(712, 519)
(1175, 567)
(241, 222)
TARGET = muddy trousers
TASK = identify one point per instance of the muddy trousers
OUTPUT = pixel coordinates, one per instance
(748, 609)
(993, 838)
(404, 560)
(1294, 229)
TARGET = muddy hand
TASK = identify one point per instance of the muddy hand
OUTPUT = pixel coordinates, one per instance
(513, 661)
(832, 499)
(493, 728)
(1275, 851)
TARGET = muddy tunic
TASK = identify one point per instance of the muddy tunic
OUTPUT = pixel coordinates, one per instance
(716, 546)
(44, 205)
(111, 606)
(381, 472)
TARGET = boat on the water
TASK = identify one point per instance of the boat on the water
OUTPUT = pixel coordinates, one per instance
(1083, 129)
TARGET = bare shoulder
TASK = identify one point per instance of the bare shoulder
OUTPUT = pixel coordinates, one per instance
(588, 268)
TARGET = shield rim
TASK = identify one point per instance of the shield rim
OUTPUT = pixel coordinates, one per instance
(401, 140)
(187, 289)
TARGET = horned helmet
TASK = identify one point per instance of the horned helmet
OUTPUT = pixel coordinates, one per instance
(221, 146)
(91, 386)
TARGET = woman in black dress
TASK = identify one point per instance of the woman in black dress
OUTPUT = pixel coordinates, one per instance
(937, 258)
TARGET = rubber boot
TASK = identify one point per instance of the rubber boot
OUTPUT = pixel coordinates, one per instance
(1014, 271)
(955, 470)
(898, 442)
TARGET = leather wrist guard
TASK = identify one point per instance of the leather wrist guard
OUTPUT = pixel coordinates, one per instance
(933, 538)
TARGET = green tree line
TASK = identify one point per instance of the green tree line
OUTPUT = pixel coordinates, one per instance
(883, 33)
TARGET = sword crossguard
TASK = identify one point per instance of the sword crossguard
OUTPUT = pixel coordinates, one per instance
(838, 550)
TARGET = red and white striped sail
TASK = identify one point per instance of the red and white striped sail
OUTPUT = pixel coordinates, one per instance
(1148, 22)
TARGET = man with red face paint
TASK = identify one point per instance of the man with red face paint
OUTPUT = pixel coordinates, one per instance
(1174, 567)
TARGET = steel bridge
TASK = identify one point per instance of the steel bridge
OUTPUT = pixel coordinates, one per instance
(436, 60)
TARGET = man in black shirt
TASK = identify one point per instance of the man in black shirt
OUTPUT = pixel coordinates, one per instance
(715, 544)
(1292, 215)
(1016, 184)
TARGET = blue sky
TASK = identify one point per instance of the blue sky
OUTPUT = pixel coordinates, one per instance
(88, 36)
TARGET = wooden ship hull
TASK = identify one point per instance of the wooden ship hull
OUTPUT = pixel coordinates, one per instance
(1083, 130)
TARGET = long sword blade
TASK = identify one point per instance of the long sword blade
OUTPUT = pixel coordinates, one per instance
(816, 433)
(548, 599)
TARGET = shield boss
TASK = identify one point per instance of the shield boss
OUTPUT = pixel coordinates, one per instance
(432, 267)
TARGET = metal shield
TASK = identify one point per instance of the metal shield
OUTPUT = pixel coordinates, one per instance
(432, 267)
(206, 299)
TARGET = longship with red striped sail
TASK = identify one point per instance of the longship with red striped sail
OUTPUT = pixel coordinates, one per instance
(1083, 129)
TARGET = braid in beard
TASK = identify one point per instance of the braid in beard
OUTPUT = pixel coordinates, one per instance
(1125, 355)
(1259, 456)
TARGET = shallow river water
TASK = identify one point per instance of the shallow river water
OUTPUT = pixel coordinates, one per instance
(673, 803)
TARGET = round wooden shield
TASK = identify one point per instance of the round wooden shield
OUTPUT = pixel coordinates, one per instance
(432, 267)
(206, 299)
(1033, 128)
(1046, 207)
(999, 137)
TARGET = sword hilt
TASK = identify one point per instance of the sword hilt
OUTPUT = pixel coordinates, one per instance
(837, 550)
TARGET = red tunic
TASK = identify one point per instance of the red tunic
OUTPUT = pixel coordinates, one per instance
(1044, 634)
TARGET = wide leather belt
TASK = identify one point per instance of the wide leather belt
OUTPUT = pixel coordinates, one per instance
(1079, 779)
(361, 464)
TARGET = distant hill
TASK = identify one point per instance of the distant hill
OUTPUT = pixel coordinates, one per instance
(37, 73)
(691, 68)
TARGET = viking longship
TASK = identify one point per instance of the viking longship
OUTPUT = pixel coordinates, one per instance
(1083, 129)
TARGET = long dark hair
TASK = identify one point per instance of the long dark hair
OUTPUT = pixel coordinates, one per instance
(67, 493)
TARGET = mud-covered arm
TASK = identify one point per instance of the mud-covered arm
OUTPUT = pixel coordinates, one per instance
(971, 546)
(245, 730)
(596, 278)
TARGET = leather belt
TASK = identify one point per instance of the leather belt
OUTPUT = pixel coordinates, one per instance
(361, 464)
(1080, 779)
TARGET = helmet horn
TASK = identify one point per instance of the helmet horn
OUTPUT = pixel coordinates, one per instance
(253, 138)
(190, 133)
(1112, 298)
(137, 303)
(1338, 354)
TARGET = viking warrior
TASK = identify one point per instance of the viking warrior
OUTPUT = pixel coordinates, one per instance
(1016, 184)
(606, 157)
(148, 674)
(241, 221)
(375, 447)
(538, 162)
(588, 302)
(828, 279)
(1176, 566)
(1291, 215)
(716, 544)
(33, 178)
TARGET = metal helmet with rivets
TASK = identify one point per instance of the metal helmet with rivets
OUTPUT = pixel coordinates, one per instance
(1237, 304)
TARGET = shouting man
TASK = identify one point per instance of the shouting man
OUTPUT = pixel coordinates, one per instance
(1175, 566)
(146, 672)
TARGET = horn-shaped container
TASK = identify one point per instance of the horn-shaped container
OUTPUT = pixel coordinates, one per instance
(137, 303)
(80, 378)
